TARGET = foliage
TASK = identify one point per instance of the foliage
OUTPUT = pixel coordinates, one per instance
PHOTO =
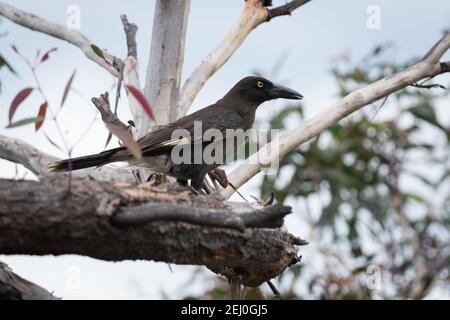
(373, 192)
(382, 229)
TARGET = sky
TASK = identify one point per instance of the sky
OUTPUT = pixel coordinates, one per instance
(307, 44)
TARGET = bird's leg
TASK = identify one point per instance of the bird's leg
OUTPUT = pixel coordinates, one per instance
(197, 184)
(220, 176)
(207, 187)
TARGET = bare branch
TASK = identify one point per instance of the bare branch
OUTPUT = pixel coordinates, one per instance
(13, 287)
(428, 66)
(43, 218)
(62, 32)
(166, 59)
(253, 15)
(286, 9)
(103, 106)
(130, 32)
(20, 152)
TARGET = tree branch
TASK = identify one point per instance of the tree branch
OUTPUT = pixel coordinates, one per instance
(253, 15)
(428, 66)
(74, 37)
(46, 218)
(13, 287)
(20, 152)
(286, 9)
(166, 59)
(130, 33)
(270, 217)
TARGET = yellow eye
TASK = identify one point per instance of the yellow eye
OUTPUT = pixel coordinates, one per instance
(260, 84)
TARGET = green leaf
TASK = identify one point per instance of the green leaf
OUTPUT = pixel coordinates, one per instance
(98, 51)
(67, 88)
(24, 122)
(4, 63)
(425, 112)
(415, 197)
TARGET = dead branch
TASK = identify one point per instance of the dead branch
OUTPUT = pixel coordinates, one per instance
(130, 33)
(43, 218)
(13, 287)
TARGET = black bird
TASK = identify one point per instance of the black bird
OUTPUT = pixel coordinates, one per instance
(236, 110)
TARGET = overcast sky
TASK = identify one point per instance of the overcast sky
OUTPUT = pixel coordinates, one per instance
(306, 42)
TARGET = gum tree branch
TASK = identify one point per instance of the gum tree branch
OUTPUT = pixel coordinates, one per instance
(428, 66)
(62, 32)
(40, 218)
(254, 14)
(20, 152)
(13, 287)
(165, 64)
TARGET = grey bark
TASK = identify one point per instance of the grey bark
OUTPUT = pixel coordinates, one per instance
(40, 218)
(14, 287)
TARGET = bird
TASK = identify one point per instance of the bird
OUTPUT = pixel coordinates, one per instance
(235, 111)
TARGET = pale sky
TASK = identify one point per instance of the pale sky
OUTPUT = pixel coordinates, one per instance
(307, 41)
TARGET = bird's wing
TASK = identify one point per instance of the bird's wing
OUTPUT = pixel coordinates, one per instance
(163, 139)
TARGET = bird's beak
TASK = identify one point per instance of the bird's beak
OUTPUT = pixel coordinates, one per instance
(278, 91)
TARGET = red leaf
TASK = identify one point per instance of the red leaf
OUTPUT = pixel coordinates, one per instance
(67, 88)
(41, 114)
(20, 97)
(137, 93)
(47, 54)
(126, 138)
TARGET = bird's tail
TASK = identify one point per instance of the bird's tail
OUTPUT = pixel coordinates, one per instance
(93, 160)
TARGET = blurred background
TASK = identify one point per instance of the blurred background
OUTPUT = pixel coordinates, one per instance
(371, 194)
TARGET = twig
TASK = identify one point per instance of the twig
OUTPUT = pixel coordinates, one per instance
(274, 289)
(286, 9)
(103, 106)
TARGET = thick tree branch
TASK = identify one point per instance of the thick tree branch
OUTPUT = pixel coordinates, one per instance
(428, 66)
(20, 152)
(62, 32)
(13, 287)
(254, 14)
(165, 64)
(46, 218)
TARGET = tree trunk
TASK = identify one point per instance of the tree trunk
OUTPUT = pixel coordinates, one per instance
(162, 85)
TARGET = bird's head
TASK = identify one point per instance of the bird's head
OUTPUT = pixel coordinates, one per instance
(259, 90)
